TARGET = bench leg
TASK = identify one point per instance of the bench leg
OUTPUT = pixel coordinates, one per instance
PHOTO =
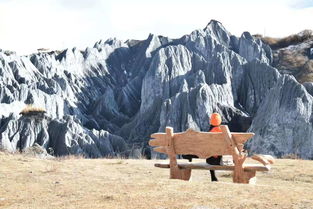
(250, 177)
(177, 173)
(244, 177)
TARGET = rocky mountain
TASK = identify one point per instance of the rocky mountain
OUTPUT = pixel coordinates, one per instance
(107, 99)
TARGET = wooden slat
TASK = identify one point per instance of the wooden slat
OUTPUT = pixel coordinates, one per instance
(206, 144)
(269, 158)
(241, 138)
(159, 140)
(202, 144)
(205, 166)
(264, 159)
(160, 149)
(199, 166)
(256, 167)
(239, 175)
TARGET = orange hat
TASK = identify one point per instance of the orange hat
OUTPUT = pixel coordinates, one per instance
(216, 119)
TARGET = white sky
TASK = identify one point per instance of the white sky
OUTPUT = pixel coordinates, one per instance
(26, 25)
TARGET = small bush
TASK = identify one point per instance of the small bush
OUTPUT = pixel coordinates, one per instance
(31, 109)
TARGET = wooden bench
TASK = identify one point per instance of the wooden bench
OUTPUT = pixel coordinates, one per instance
(204, 145)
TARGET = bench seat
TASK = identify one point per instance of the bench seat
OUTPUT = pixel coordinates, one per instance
(205, 166)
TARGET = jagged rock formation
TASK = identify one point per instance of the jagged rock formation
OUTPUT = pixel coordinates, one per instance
(283, 122)
(61, 136)
(134, 88)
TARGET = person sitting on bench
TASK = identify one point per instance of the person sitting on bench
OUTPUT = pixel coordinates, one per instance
(215, 121)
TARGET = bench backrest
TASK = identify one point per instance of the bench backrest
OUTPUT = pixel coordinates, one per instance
(202, 144)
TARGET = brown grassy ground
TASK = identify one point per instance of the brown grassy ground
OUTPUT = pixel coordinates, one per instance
(276, 43)
(117, 183)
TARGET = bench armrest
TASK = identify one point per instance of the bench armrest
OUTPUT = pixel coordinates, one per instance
(264, 159)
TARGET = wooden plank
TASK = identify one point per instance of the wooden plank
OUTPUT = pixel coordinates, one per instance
(205, 166)
(256, 167)
(249, 177)
(238, 156)
(241, 138)
(159, 140)
(160, 149)
(175, 171)
(269, 158)
(206, 144)
(264, 159)
(202, 144)
(199, 166)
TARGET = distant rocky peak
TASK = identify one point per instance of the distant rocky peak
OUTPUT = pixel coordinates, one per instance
(153, 44)
(251, 48)
(112, 42)
(210, 40)
(215, 25)
(247, 35)
(69, 54)
(218, 32)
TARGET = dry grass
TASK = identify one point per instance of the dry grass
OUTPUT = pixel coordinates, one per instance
(306, 73)
(292, 60)
(31, 109)
(276, 43)
(119, 183)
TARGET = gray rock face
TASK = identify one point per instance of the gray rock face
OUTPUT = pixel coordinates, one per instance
(309, 87)
(112, 96)
(61, 136)
(251, 49)
(283, 122)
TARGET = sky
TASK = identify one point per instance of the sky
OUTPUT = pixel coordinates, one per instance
(26, 25)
